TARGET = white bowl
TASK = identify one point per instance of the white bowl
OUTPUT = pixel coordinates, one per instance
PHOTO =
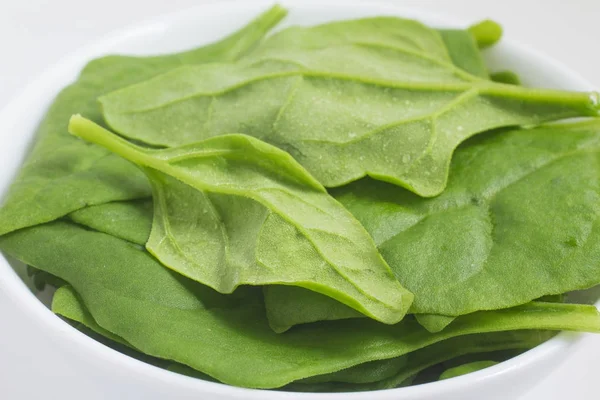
(60, 352)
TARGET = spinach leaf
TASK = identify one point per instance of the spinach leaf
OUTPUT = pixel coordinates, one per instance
(466, 369)
(346, 99)
(413, 363)
(67, 303)
(129, 220)
(233, 210)
(227, 336)
(433, 322)
(62, 174)
(464, 52)
(521, 207)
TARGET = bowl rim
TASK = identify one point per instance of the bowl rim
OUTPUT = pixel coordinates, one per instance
(23, 299)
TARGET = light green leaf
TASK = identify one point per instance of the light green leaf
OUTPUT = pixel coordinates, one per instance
(464, 52)
(233, 210)
(227, 336)
(377, 97)
(62, 174)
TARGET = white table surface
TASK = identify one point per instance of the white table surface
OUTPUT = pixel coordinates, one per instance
(34, 34)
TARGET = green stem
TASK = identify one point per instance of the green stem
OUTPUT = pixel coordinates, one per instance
(94, 133)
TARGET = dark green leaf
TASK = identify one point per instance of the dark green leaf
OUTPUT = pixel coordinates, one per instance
(419, 360)
(227, 337)
(521, 207)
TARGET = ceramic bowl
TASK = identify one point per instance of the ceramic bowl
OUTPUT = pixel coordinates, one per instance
(69, 363)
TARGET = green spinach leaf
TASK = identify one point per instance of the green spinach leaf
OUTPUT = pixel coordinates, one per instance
(129, 220)
(464, 52)
(433, 322)
(377, 97)
(67, 303)
(419, 360)
(233, 210)
(521, 207)
(62, 174)
(227, 336)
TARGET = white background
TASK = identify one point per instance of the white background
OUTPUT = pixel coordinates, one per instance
(35, 34)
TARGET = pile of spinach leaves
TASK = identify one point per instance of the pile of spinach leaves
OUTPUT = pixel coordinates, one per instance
(344, 207)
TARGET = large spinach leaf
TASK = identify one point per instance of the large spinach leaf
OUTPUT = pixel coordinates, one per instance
(412, 363)
(377, 97)
(62, 174)
(521, 207)
(374, 375)
(233, 210)
(227, 336)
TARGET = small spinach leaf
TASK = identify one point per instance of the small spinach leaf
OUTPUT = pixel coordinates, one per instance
(434, 323)
(464, 52)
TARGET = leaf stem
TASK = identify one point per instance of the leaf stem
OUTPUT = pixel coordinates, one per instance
(94, 133)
